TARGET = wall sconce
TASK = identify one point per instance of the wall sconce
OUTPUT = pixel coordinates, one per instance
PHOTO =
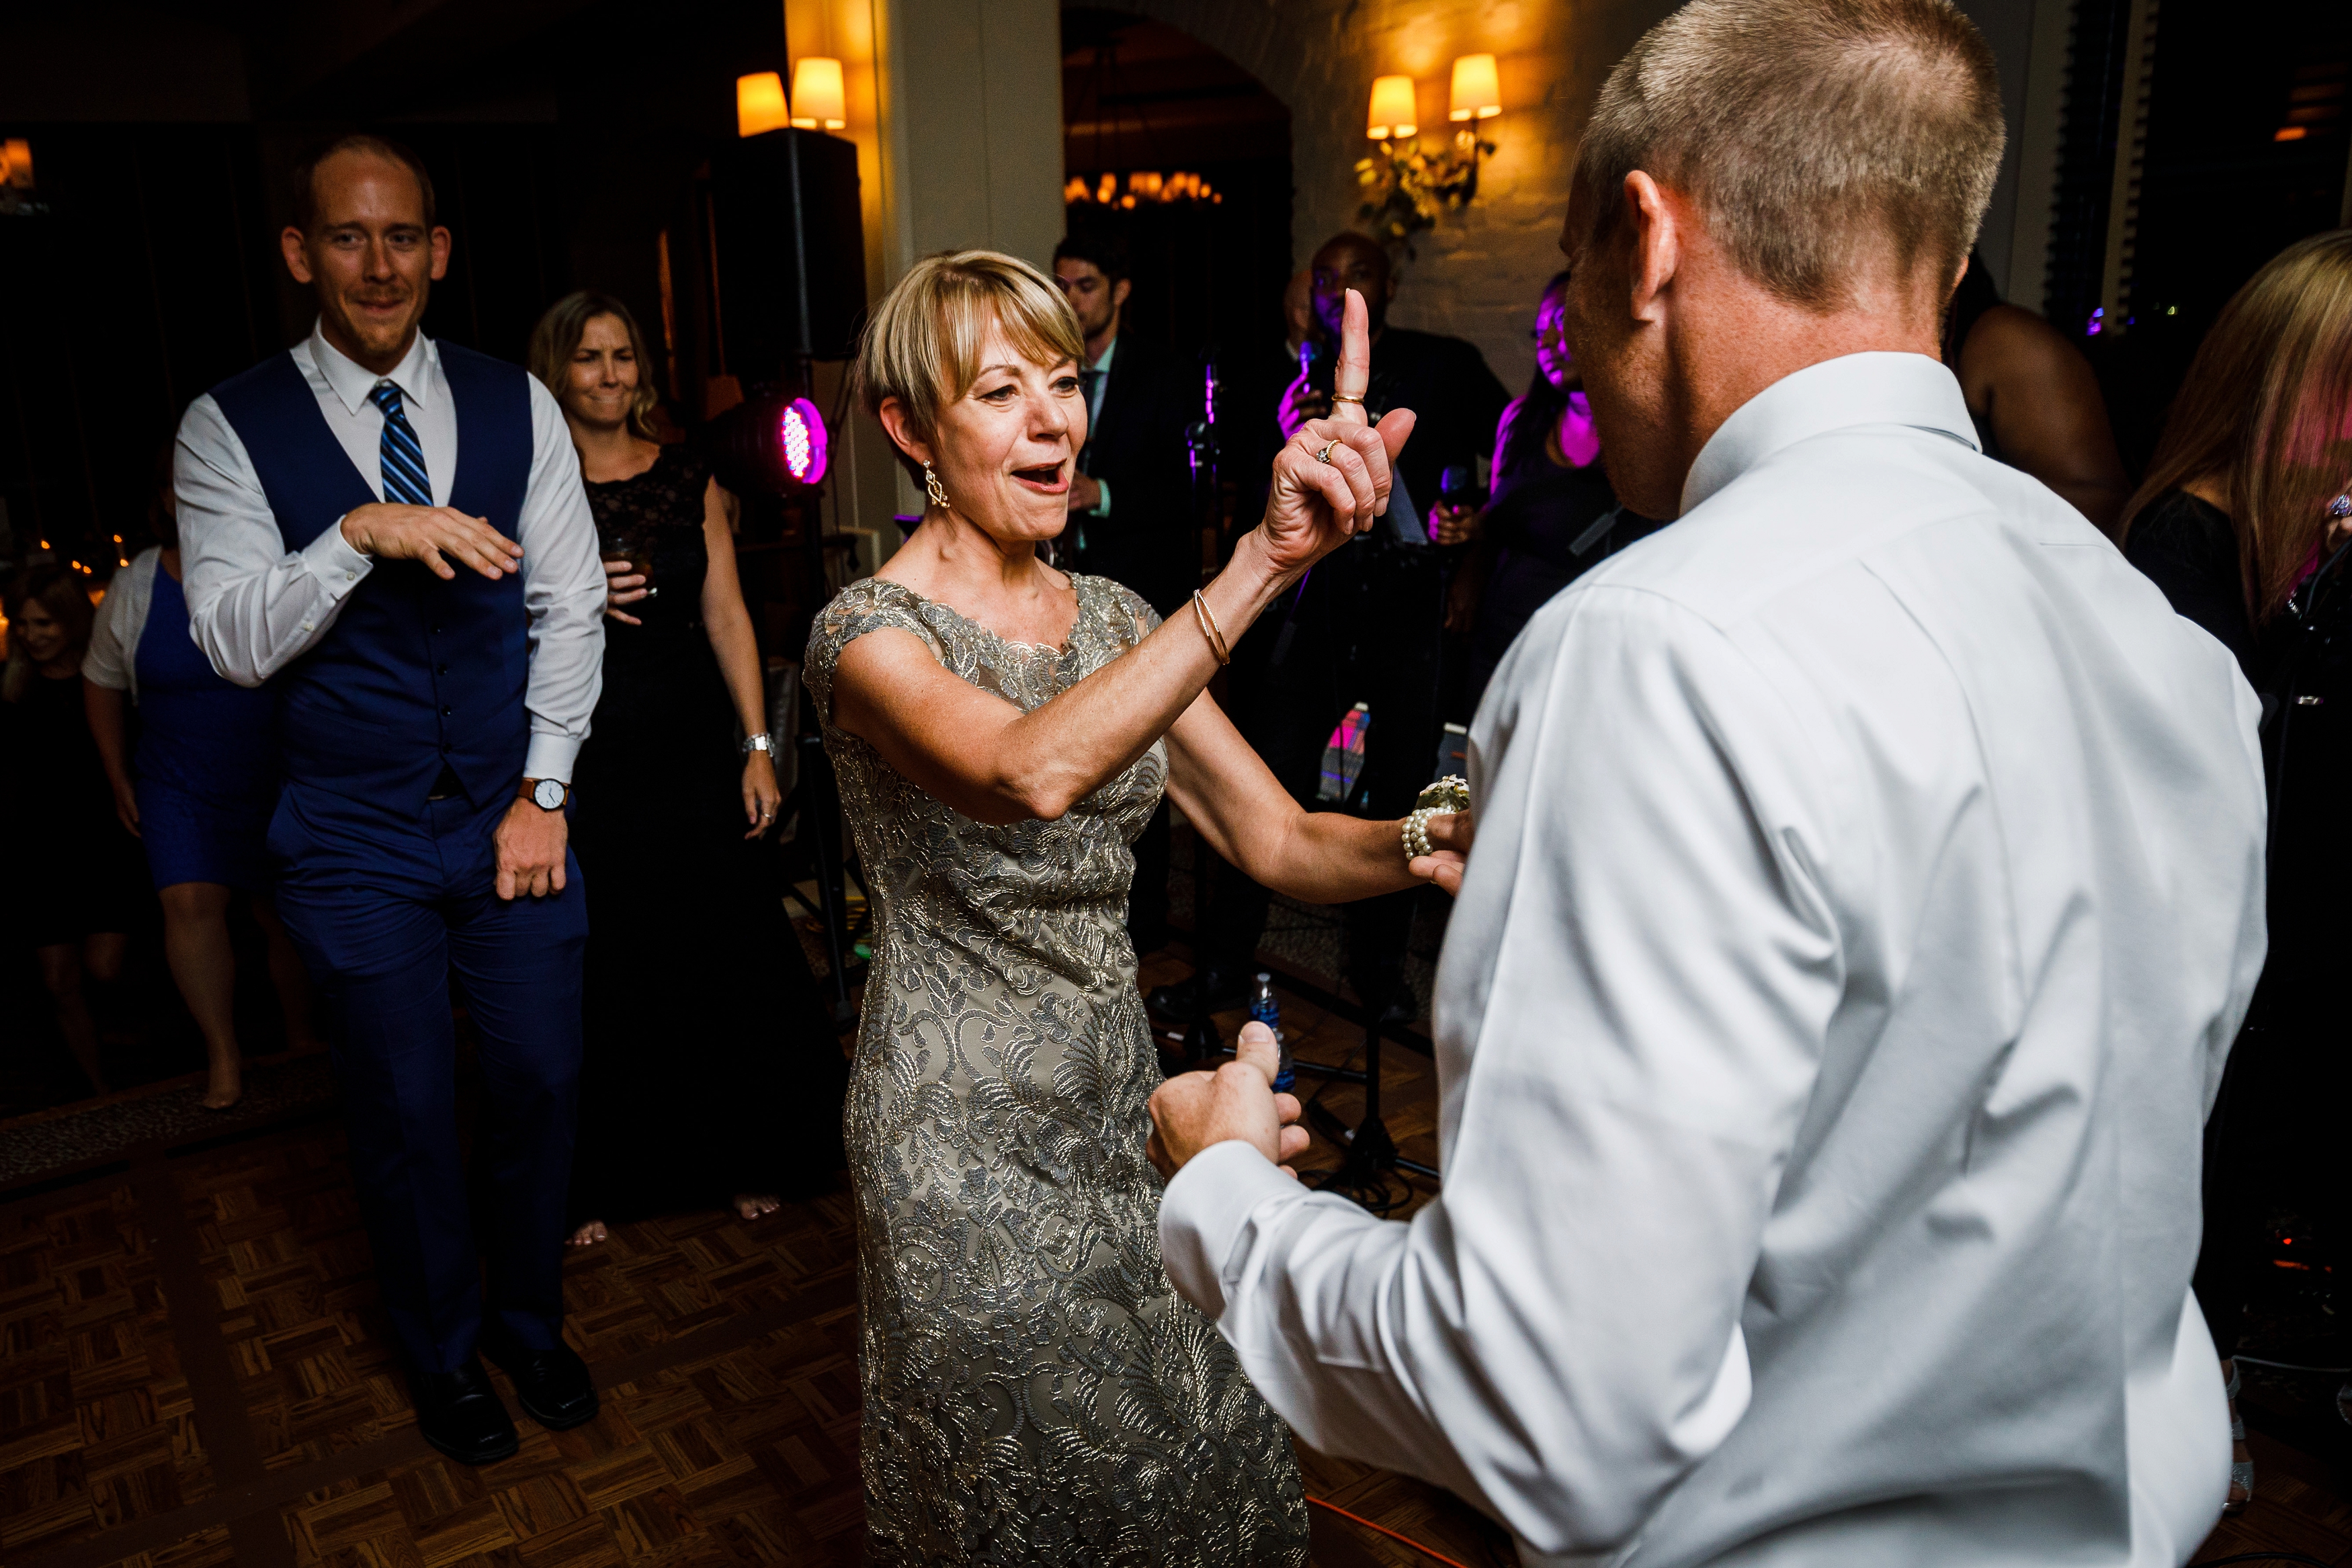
(1393, 113)
(760, 103)
(1406, 189)
(1478, 92)
(817, 98)
(18, 196)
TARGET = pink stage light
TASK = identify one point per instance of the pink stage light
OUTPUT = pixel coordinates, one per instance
(801, 439)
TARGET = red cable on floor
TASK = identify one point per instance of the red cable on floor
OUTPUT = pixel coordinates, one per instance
(1392, 1535)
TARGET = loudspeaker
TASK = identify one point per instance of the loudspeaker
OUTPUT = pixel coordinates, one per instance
(788, 252)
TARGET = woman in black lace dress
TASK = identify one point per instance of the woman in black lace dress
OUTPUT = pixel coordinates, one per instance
(710, 1067)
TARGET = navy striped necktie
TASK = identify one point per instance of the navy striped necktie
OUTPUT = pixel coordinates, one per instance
(402, 453)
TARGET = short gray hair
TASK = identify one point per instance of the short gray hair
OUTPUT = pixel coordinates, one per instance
(1813, 133)
(924, 342)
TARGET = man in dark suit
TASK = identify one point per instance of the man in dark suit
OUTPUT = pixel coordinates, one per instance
(391, 531)
(1363, 627)
(1131, 515)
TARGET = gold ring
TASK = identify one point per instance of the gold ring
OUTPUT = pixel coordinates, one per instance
(1348, 397)
(1324, 455)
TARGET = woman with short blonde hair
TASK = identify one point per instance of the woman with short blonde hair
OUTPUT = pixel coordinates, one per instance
(1035, 1391)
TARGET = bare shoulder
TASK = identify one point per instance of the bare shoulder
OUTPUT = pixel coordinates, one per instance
(2009, 338)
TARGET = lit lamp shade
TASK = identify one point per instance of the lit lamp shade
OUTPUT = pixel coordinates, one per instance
(817, 100)
(760, 103)
(1392, 110)
(1478, 93)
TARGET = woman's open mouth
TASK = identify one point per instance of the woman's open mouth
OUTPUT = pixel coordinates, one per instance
(1045, 478)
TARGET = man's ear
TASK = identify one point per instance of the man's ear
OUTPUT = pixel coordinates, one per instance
(1652, 226)
(297, 256)
(1118, 293)
(898, 424)
(439, 243)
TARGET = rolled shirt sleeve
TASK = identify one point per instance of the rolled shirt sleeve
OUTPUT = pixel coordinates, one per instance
(254, 607)
(563, 591)
(1634, 1000)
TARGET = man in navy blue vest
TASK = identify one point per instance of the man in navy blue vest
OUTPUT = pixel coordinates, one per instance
(395, 531)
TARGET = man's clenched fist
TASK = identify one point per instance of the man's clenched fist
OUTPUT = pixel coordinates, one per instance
(1236, 1101)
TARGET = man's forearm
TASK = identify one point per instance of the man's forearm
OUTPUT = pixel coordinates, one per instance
(254, 620)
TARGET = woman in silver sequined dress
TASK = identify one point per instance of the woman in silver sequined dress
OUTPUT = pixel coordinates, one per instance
(1033, 1391)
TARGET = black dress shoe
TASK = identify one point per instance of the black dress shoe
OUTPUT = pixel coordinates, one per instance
(552, 1384)
(459, 1414)
(1179, 1000)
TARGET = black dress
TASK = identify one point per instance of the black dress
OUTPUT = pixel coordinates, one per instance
(77, 871)
(2274, 1142)
(1549, 525)
(709, 1066)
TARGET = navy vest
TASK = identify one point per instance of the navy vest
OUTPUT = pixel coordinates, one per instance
(417, 673)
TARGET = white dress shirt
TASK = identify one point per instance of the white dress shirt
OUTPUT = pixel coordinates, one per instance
(254, 607)
(1868, 887)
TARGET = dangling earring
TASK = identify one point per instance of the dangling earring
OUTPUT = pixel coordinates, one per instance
(935, 492)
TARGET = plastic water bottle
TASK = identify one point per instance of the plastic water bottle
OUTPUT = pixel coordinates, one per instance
(1264, 1010)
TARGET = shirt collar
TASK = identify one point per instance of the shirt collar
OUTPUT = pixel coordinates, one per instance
(1880, 388)
(1110, 349)
(351, 381)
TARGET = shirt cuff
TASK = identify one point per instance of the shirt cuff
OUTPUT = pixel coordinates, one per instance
(550, 757)
(1202, 1213)
(1102, 501)
(332, 559)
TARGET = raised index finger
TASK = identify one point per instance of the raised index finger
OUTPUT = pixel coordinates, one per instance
(1355, 369)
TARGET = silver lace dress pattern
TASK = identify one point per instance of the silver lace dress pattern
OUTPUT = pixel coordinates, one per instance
(1035, 1393)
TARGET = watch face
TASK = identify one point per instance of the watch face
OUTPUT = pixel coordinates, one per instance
(547, 794)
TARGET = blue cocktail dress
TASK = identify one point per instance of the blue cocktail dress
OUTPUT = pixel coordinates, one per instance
(207, 757)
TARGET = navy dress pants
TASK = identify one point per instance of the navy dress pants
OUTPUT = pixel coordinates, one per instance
(383, 906)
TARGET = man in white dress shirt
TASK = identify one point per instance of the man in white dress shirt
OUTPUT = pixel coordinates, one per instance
(393, 531)
(1867, 889)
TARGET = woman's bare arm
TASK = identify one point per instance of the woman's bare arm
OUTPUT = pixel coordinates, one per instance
(2046, 412)
(981, 754)
(725, 619)
(728, 624)
(1226, 789)
(102, 706)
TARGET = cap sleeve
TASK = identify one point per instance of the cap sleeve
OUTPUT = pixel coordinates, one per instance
(864, 606)
(1126, 613)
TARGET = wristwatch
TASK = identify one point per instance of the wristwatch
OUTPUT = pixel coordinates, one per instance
(547, 794)
(762, 741)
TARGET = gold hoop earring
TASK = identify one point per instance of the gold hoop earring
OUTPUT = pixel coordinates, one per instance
(933, 491)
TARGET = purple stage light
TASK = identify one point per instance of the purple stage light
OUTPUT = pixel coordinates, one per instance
(801, 438)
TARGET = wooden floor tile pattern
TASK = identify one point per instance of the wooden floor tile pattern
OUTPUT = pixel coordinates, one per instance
(194, 1372)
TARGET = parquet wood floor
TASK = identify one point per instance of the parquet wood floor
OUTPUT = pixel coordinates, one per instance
(194, 1372)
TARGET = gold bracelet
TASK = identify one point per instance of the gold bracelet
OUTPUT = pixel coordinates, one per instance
(1208, 619)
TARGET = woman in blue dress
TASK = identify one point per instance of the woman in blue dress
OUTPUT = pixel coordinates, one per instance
(199, 791)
